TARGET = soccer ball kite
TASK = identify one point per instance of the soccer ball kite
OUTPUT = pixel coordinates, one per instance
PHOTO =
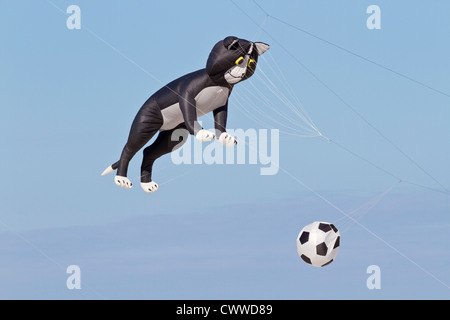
(318, 243)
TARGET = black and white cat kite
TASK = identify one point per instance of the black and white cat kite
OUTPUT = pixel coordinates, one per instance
(180, 103)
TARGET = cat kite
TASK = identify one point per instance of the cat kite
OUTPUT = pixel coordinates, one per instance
(177, 106)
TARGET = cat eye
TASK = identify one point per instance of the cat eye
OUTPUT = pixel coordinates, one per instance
(252, 64)
(240, 60)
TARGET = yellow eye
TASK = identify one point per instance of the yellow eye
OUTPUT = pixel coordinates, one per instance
(240, 60)
(252, 64)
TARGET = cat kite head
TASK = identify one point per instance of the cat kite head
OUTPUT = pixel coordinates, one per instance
(233, 60)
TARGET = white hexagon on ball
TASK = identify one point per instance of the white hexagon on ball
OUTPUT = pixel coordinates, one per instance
(318, 243)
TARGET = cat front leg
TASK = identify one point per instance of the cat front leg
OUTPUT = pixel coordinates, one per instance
(220, 122)
(188, 107)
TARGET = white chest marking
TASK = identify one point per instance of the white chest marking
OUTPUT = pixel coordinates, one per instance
(206, 101)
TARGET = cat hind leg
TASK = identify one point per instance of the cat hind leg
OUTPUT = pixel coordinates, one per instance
(166, 142)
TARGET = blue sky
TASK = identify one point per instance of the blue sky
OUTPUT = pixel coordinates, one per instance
(68, 98)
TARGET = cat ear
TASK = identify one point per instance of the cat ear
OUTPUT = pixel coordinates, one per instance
(230, 42)
(261, 47)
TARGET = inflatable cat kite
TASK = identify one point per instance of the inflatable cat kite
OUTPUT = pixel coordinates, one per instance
(179, 104)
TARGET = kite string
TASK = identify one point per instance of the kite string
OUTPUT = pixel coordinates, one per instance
(271, 83)
(46, 255)
(268, 15)
(257, 111)
(294, 57)
(280, 75)
(277, 92)
(366, 207)
(382, 169)
(261, 97)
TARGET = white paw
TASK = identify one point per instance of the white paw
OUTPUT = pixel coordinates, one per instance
(123, 182)
(227, 140)
(150, 187)
(205, 135)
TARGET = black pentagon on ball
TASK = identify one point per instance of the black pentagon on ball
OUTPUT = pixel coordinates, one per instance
(324, 227)
(304, 237)
(337, 243)
(322, 249)
(306, 259)
(328, 263)
(334, 228)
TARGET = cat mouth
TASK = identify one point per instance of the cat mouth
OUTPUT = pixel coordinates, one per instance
(229, 72)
